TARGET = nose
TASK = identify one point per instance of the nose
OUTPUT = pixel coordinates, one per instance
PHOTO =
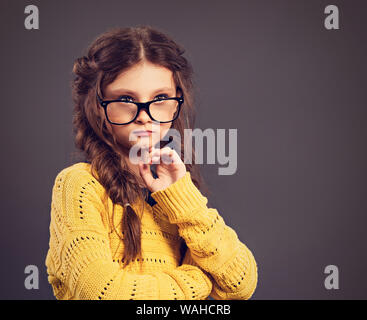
(143, 117)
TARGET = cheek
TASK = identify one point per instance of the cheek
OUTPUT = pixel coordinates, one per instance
(164, 129)
(121, 133)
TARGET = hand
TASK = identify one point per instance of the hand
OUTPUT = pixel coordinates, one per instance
(170, 168)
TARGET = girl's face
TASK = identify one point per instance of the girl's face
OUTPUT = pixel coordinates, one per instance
(141, 83)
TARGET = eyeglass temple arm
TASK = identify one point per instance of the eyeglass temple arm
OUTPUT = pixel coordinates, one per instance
(99, 98)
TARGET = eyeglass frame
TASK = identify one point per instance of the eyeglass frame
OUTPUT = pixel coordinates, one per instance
(140, 105)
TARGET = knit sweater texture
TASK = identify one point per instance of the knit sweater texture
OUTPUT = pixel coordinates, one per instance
(84, 259)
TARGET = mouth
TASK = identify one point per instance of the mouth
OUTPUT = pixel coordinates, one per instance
(143, 133)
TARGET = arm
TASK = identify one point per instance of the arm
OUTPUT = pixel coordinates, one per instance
(218, 293)
(212, 245)
(79, 261)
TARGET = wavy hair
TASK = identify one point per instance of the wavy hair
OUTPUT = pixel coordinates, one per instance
(107, 56)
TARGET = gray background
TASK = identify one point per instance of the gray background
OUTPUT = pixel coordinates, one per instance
(295, 91)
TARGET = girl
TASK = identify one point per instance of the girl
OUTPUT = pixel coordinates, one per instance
(120, 229)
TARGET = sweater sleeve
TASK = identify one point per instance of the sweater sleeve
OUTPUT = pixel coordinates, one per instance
(212, 245)
(79, 261)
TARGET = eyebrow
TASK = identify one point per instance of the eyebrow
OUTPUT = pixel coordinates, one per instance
(127, 91)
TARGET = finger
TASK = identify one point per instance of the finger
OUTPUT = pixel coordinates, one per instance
(172, 156)
(158, 155)
(175, 157)
(146, 174)
(145, 156)
(154, 152)
(156, 159)
(155, 155)
(167, 156)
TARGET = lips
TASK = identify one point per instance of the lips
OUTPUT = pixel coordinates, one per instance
(143, 132)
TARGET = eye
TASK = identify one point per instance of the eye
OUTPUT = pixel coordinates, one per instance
(163, 95)
(124, 98)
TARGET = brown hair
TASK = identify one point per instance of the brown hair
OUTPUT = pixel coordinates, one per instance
(107, 56)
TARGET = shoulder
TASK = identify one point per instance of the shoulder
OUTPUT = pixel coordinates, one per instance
(78, 181)
(76, 173)
(81, 167)
(78, 178)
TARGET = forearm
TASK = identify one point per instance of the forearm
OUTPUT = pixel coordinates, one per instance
(213, 245)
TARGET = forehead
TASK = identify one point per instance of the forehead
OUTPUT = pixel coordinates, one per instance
(142, 78)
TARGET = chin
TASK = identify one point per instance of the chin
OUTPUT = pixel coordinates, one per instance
(142, 143)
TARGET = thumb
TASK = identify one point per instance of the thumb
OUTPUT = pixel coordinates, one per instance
(146, 174)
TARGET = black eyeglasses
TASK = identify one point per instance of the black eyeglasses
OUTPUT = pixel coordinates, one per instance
(122, 111)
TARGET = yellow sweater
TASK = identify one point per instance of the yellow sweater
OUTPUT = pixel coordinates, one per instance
(84, 256)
